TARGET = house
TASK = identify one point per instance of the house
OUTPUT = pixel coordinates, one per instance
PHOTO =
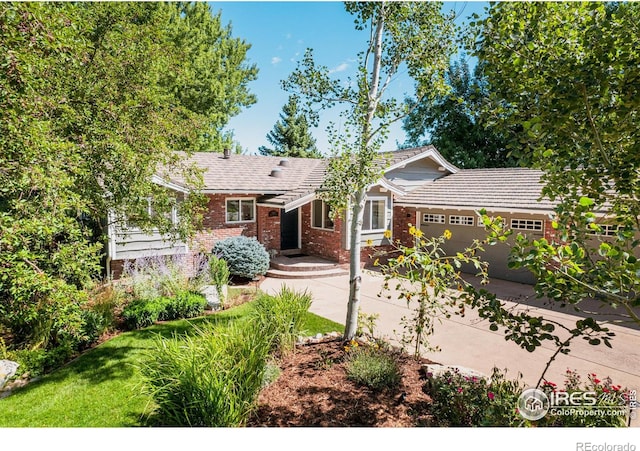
(275, 200)
(452, 203)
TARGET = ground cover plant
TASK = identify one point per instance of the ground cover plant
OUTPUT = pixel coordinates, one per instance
(103, 387)
(214, 377)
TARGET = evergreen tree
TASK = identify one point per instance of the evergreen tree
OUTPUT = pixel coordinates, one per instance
(290, 136)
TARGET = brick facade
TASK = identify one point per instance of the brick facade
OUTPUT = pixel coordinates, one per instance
(269, 229)
(215, 226)
(402, 217)
(323, 243)
(327, 244)
(549, 231)
(116, 267)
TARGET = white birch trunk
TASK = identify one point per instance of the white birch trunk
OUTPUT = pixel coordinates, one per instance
(357, 209)
(355, 272)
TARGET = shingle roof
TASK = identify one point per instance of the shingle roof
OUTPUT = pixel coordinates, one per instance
(497, 189)
(309, 185)
(252, 173)
(509, 188)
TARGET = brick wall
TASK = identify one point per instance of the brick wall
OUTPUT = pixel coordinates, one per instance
(402, 217)
(269, 229)
(116, 267)
(215, 227)
(549, 231)
(329, 244)
(323, 243)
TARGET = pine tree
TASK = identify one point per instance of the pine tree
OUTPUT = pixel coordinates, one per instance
(290, 136)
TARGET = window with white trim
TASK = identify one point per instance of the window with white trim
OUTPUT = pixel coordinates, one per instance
(461, 220)
(433, 219)
(375, 215)
(133, 221)
(240, 210)
(605, 229)
(320, 218)
(527, 224)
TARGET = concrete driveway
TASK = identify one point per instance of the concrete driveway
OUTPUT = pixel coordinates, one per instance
(467, 341)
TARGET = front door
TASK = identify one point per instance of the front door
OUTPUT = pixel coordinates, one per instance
(289, 230)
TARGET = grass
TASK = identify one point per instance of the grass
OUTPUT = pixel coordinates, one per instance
(102, 388)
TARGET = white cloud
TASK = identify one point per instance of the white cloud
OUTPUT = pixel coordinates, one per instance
(340, 68)
(275, 60)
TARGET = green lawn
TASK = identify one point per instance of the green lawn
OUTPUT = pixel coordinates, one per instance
(102, 388)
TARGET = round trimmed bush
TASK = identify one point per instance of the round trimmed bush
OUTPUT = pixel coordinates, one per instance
(245, 256)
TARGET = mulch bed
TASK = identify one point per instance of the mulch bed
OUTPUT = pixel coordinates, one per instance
(313, 390)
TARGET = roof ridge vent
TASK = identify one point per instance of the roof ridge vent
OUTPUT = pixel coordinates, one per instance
(285, 163)
(276, 172)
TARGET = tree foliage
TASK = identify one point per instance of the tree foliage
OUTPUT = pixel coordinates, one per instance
(413, 37)
(290, 136)
(214, 76)
(93, 103)
(454, 123)
(565, 79)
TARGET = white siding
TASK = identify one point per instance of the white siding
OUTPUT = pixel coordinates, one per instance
(135, 244)
(415, 174)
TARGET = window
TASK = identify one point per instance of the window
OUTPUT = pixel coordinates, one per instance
(375, 215)
(481, 224)
(605, 229)
(461, 220)
(241, 210)
(433, 219)
(526, 224)
(133, 221)
(320, 215)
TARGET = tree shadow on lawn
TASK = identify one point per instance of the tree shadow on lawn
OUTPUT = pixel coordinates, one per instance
(119, 357)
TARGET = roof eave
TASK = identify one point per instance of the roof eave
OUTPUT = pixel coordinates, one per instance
(429, 152)
(169, 184)
(506, 209)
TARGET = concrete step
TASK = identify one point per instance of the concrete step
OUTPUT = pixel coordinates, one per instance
(303, 266)
(282, 274)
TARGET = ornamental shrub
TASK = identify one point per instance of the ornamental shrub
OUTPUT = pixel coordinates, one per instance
(143, 312)
(245, 256)
(219, 273)
(211, 379)
(461, 400)
(185, 304)
(373, 367)
(281, 317)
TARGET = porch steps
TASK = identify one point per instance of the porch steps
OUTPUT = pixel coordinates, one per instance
(303, 267)
(279, 274)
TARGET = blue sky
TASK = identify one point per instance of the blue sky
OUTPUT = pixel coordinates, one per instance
(279, 34)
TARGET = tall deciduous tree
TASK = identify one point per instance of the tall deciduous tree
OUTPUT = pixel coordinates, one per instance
(214, 75)
(290, 136)
(454, 123)
(95, 98)
(567, 77)
(413, 37)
